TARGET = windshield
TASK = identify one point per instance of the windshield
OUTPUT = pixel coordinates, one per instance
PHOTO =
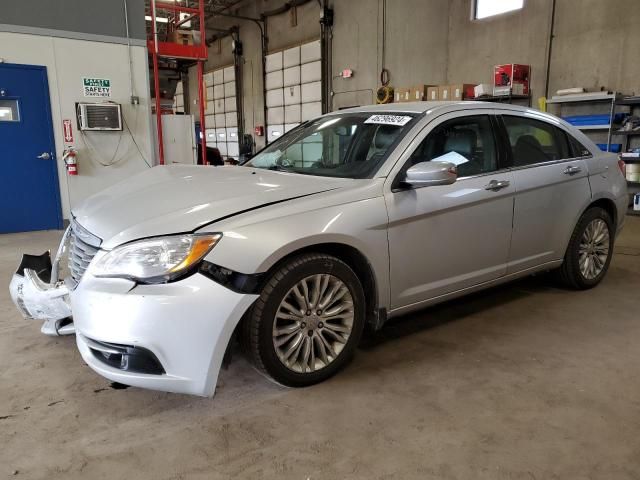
(351, 145)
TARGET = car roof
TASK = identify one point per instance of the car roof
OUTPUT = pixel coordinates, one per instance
(432, 106)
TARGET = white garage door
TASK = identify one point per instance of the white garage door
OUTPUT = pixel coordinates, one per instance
(293, 87)
(221, 112)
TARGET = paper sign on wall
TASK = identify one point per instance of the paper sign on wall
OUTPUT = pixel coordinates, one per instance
(67, 129)
(96, 87)
(398, 120)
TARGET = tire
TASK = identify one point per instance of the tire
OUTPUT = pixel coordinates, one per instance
(572, 273)
(263, 337)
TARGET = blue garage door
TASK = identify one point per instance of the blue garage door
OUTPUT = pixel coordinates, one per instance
(29, 191)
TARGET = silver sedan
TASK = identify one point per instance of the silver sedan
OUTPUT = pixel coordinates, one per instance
(347, 220)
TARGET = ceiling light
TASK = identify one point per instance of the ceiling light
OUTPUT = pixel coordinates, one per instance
(158, 19)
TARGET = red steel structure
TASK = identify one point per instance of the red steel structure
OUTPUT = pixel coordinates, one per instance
(178, 51)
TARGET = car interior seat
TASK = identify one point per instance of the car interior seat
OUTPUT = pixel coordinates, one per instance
(527, 151)
(464, 142)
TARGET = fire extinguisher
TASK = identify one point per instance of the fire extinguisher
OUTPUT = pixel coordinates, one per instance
(70, 160)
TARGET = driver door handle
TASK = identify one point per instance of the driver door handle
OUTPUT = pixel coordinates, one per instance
(572, 170)
(496, 185)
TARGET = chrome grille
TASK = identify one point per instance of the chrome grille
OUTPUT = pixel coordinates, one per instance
(80, 253)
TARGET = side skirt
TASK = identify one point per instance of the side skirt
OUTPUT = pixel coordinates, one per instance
(481, 286)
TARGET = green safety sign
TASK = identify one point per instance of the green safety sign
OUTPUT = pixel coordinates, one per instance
(96, 87)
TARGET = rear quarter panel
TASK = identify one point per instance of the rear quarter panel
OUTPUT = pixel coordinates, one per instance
(606, 181)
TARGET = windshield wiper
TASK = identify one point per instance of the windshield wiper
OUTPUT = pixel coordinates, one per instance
(279, 168)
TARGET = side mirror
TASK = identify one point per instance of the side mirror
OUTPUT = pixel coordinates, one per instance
(427, 174)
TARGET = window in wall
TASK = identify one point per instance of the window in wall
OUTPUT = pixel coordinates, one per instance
(489, 8)
(9, 111)
(534, 141)
(467, 142)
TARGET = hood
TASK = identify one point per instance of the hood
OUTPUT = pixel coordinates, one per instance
(183, 198)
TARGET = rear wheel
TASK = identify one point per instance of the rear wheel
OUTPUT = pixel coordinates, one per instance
(307, 322)
(589, 252)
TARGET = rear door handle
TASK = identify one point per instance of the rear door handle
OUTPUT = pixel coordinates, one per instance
(572, 170)
(496, 185)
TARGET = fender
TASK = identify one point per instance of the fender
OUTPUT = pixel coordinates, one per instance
(256, 247)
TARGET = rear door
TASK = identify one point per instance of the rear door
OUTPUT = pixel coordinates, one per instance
(29, 191)
(551, 185)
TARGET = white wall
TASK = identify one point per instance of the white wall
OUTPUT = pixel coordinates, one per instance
(67, 61)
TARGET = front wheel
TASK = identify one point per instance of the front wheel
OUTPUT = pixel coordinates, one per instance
(589, 252)
(307, 322)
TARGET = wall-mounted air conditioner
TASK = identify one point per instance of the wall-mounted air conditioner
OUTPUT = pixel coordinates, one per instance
(99, 117)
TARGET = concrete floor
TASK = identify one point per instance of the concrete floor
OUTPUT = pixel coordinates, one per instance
(523, 381)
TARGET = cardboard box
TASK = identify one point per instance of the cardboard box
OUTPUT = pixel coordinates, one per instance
(402, 94)
(419, 93)
(460, 91)
(444, 92)
(510, 74)
(515, 88)
(482, 90)
(432, 93)
(186, 37)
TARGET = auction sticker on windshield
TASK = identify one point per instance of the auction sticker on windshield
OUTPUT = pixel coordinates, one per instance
(398, 120)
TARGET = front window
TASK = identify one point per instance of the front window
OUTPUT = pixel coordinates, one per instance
(466, 142)
(349, 146)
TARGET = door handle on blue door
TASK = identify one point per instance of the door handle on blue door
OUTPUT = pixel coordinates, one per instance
(496, 185)
(44, 156)
(572, 170)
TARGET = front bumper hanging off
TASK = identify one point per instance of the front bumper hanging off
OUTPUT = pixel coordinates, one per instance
(39, 295)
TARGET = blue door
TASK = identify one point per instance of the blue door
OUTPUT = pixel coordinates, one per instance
(29, 190)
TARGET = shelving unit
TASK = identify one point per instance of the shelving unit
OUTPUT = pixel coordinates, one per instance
(633, 103)
(628, 136)
(632, 187)
(576, 102)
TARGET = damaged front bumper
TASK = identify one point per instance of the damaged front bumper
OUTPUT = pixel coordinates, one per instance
(39, 295)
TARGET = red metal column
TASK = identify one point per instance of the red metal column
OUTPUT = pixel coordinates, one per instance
(203, 134)
(203, 125)
(156, 83)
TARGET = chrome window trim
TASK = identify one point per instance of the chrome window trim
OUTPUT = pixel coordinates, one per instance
(485, 174)
(544, 164)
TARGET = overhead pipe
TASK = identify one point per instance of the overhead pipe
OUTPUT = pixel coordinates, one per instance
(549, 48)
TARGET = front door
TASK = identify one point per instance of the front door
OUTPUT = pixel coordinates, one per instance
(447, 238)
(29, 191)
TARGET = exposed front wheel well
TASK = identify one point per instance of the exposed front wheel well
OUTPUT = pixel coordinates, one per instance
(358, 263)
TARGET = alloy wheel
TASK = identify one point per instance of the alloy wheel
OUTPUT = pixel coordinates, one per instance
(313, 323)
(594, 249)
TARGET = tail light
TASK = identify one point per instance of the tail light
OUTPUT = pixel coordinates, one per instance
(622, 167)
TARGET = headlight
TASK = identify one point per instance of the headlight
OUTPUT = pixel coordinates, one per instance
(156, 260)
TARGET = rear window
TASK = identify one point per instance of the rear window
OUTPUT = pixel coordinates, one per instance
(534, 141)
(577, 149)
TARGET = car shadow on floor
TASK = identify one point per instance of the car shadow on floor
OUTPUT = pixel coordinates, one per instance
(457, 309)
